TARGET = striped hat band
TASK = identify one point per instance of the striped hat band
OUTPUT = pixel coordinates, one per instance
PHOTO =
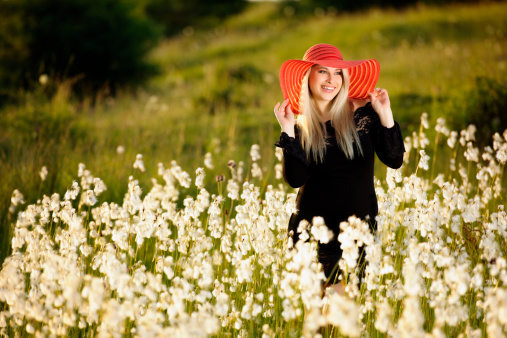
(364, 74)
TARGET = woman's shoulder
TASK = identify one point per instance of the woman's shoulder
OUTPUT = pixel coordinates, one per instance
(365, 117)
(366, 110)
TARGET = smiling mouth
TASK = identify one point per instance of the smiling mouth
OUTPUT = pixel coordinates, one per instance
(327, 88)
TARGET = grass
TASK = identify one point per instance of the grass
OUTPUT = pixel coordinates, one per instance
(221, 85)
(240, 249)
(218, 89)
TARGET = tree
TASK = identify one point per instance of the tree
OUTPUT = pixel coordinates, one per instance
(101, 42)
(176, 15)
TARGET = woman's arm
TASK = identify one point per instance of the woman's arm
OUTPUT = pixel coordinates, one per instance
(386, 137)
(388, 144)
(295, 165)
(380, 102)
(285, 117)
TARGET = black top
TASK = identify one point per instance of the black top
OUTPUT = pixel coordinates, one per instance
(338, 187)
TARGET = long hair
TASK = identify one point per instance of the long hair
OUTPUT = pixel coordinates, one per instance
(313, 131)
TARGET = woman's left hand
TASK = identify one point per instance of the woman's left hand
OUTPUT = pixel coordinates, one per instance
(380, 102)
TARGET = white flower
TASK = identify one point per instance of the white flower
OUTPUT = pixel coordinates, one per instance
(440, 127)
(86, 249)
(120, 149)
(182, 176)
(353, 234)
(470, 133)
(73, 191)
(343, 313)
(462, 137)
(439, 180)
(472, 153)
(423, 140)
(451, 141)
(222, 304)
(244, 271)
(384, 315)
(424, 120)
(423, 162)
(256, 170)
(99, 186)
(232, 189)
(501, 153)
(235, 265)
(279, 153)
(139, 164)
(411, 322)
(43, 173)
(16, 198)
(254, 152)
(208, 161)
(89, 198)
(81, 169)
(320, 231)
(393, 176)
(199, 179)
(278, 171)
(30, 329)
(302, 229)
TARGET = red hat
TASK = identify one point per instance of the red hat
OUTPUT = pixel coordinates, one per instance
(363, 73)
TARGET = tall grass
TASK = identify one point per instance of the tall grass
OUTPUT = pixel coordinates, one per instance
(199, 254)
(216, 95)
(220, 87)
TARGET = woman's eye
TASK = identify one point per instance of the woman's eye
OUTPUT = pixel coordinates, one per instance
(322, 71)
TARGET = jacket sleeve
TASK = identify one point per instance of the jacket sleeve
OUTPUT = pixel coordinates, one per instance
(388, 144)
(295, 164)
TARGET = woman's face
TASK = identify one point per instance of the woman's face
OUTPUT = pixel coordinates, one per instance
(324, 83)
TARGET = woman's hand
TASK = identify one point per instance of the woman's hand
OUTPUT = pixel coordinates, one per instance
(380, 102)
(285, 117)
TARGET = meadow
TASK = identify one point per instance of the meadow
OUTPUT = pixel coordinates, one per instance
(164, 213)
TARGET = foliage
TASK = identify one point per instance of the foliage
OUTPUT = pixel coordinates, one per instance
(228, 89)
(100, 44)
(212, 100)
(332, 6)
(220, 93)
(208, 254)
(175, 15)
(487, 107)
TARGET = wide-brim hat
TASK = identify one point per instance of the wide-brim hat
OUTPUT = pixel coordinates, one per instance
(364, 74)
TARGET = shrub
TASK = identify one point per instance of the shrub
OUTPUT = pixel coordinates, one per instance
(229, 88)
(487, 108)
(101, 43)
(311, 6)
(175, 15)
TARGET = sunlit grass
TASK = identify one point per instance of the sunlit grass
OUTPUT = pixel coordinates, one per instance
(216, 95)
(200, 254)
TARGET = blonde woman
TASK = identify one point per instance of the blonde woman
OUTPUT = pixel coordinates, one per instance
(329, 149)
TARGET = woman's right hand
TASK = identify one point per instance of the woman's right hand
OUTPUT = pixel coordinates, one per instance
(285, 117)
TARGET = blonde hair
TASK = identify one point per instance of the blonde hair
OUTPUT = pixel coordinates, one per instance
(313, 132)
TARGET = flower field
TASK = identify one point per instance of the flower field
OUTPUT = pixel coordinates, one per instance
(97, 238)
(199, 255)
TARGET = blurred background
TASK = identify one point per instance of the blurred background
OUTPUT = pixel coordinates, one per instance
(100, 81)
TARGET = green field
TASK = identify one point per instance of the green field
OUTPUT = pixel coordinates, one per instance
(170, 258)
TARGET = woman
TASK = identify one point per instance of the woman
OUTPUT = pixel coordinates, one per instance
(329, 150)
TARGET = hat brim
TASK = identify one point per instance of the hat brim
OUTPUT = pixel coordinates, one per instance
(364, 75)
